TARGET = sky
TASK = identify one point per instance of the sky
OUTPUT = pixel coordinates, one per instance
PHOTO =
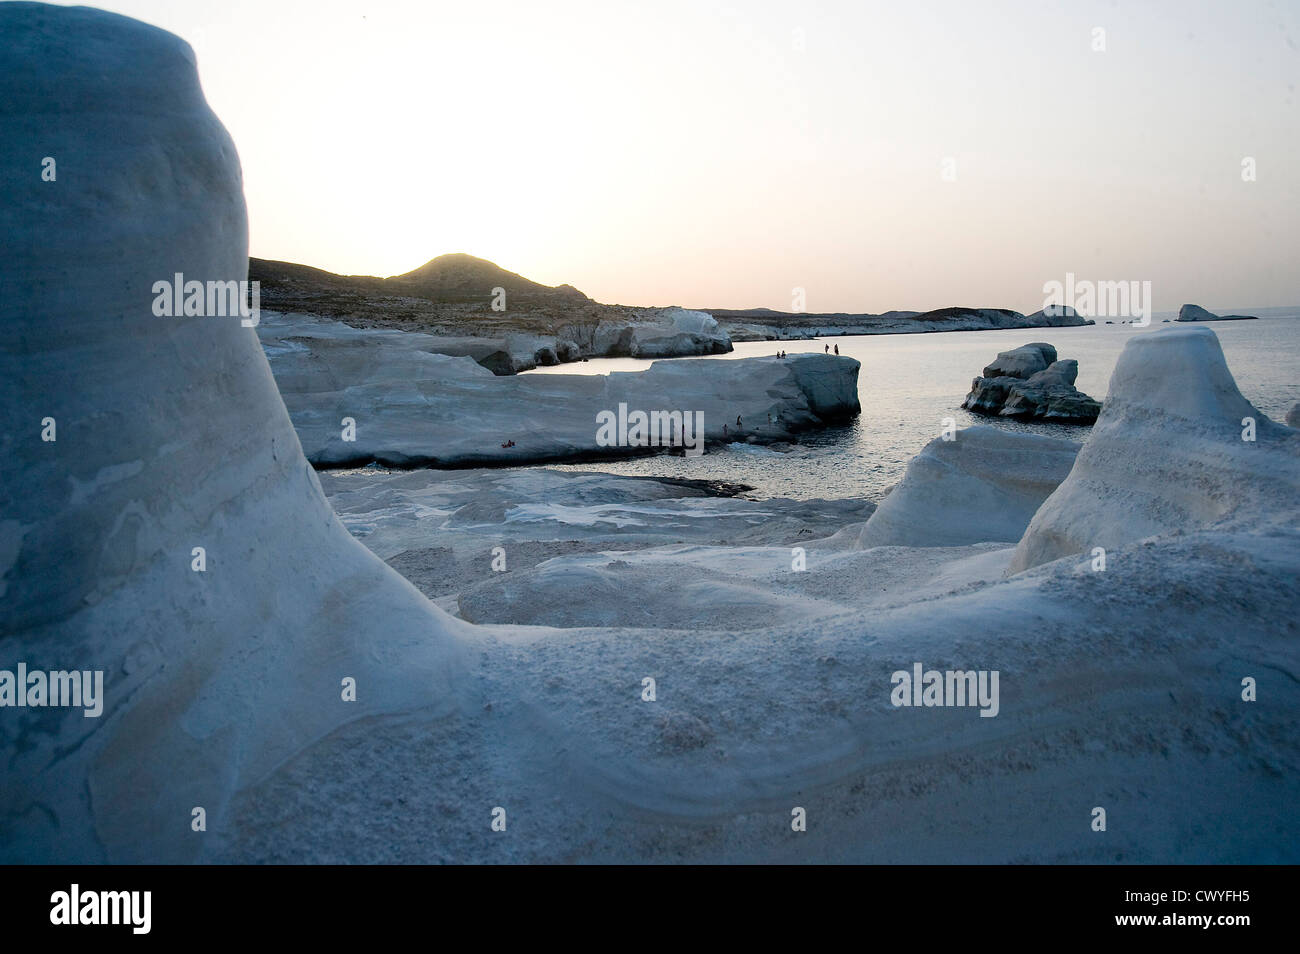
(877, 156)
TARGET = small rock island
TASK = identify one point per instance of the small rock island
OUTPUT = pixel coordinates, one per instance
(1029, 382)
(1197, 313)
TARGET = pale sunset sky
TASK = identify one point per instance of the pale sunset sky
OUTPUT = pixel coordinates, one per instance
(716, 154)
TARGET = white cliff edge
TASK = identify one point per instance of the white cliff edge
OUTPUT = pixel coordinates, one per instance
(169, 436)
(413, 407)
(1176, 448)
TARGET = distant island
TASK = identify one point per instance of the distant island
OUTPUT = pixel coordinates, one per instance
(764, 324)
(1197, 313)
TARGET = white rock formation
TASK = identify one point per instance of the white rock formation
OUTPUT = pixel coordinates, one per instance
(773, 691)
(169, 436)
(1050, 395)
(1176, 447)
(670, 332)
(984, 485)
(1021, 362)
(411, 406)
(1029, 382)
(498, 355)
(651, 333)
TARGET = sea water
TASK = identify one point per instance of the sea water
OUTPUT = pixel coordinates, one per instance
(910, 383)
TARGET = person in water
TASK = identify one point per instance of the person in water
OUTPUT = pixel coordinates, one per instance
(737, 420)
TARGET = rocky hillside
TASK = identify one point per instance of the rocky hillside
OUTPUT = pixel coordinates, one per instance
(457, 287)
(455, 298)
(458, 276)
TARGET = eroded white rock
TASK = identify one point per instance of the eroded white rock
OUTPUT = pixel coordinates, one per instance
(170, 436)
(984, 485)
(1176, 447)
(411, 406)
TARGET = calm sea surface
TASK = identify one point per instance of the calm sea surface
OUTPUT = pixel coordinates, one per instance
(909, 383)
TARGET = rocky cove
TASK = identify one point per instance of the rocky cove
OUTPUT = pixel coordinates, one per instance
(498, 623)
(411, 405)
